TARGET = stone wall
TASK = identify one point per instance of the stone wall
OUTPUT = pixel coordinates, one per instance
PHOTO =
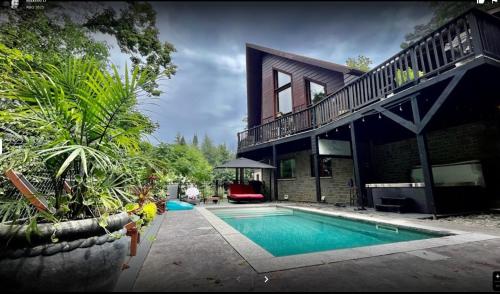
(393, 162)
(303, 186)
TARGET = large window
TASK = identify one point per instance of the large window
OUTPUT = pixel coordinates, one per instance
(325, 166)
(315, 92)
(287, 168)
(283, 91)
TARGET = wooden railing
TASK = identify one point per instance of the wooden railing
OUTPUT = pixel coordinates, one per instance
(471, 34)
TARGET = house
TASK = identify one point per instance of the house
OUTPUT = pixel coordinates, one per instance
(419, 131)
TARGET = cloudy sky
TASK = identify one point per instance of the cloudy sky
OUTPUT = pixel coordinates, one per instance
(208, 93)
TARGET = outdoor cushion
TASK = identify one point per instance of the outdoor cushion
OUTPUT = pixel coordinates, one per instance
(240, 191)
(246, 196)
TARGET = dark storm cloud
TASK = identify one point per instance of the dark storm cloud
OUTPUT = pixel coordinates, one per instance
(208, 93)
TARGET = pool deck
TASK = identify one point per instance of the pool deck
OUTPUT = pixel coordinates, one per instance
(193, 252)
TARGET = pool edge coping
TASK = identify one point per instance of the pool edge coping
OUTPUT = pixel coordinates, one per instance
(263, 262)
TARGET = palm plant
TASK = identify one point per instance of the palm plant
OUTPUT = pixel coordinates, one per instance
(85, 120)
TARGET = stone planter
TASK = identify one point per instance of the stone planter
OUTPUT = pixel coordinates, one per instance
(85, 258)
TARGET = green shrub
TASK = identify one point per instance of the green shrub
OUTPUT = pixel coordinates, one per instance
(404, 76)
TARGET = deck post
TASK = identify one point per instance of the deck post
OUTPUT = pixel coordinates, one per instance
(477, 44)
(315, 153)
(357, 165)
(424, 159)
(275, 174)
(242, 176)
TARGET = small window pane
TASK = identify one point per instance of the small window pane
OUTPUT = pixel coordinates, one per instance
(285, 101)
(283, 79)
(287, 168)
(316, 92)
(325, 167)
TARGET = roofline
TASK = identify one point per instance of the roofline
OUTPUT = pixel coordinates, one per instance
(307, 60)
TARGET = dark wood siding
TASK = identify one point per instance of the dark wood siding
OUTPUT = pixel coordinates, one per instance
(349, 78)
(299, 71)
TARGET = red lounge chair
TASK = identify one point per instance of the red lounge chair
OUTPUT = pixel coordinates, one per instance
(240, 192)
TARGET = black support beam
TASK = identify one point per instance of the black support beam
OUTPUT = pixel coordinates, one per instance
(275, 174)
(424, 160)
(396, 118)
(357, 165)
(440, 100)
(315, 153)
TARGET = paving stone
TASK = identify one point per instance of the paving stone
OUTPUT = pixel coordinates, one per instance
(185, 258)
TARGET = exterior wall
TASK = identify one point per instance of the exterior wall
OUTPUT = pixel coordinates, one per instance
(299, 71)
(349, 78)
(393, 161)
(303, 186)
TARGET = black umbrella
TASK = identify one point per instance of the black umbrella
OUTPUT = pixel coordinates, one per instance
(243, 162)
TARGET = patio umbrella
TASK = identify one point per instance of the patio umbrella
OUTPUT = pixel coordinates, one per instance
(243, 162)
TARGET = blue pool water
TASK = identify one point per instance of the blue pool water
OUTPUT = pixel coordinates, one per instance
(178, 205)
(287, 232)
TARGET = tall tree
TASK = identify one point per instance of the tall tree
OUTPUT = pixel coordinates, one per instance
(182, 141)
(54, 34)
(186, 161)
(361, 62)
(443, 12)
(195, 141)
(223, 154)
(208, 149)
(178, 138)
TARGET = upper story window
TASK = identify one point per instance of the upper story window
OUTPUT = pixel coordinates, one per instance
(315, 91)
(283, 91)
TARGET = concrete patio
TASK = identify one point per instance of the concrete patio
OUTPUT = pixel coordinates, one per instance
(190, 255)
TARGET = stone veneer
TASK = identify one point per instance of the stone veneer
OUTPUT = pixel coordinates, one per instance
(303, 186)
(393, 161)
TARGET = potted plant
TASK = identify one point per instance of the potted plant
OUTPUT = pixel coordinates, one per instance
(157, 181)
(161, 201)
(403, 77)
(78, 128)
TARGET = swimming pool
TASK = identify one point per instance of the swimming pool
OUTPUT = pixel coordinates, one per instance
(178, 205)
(283, 231)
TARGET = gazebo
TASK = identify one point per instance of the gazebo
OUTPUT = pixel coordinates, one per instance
(240, 164)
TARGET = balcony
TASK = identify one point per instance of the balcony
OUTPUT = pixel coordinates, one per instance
(470, 35)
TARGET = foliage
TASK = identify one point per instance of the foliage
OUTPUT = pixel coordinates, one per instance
(144, 210)
(215, 155)
(443, 11)
(361, 63)
(72, 117)
(186, 161)
(137, 35)
(318, 97)
(403, 76)
(149, 211)
(54, 34)
(194, 142)
(56, 37)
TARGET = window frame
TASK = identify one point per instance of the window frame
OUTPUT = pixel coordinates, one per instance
(307, 87)
(277, 90)
(294, 170)
(321, 157)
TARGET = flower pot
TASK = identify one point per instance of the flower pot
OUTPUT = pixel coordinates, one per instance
(85, 258)
(160, 206)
